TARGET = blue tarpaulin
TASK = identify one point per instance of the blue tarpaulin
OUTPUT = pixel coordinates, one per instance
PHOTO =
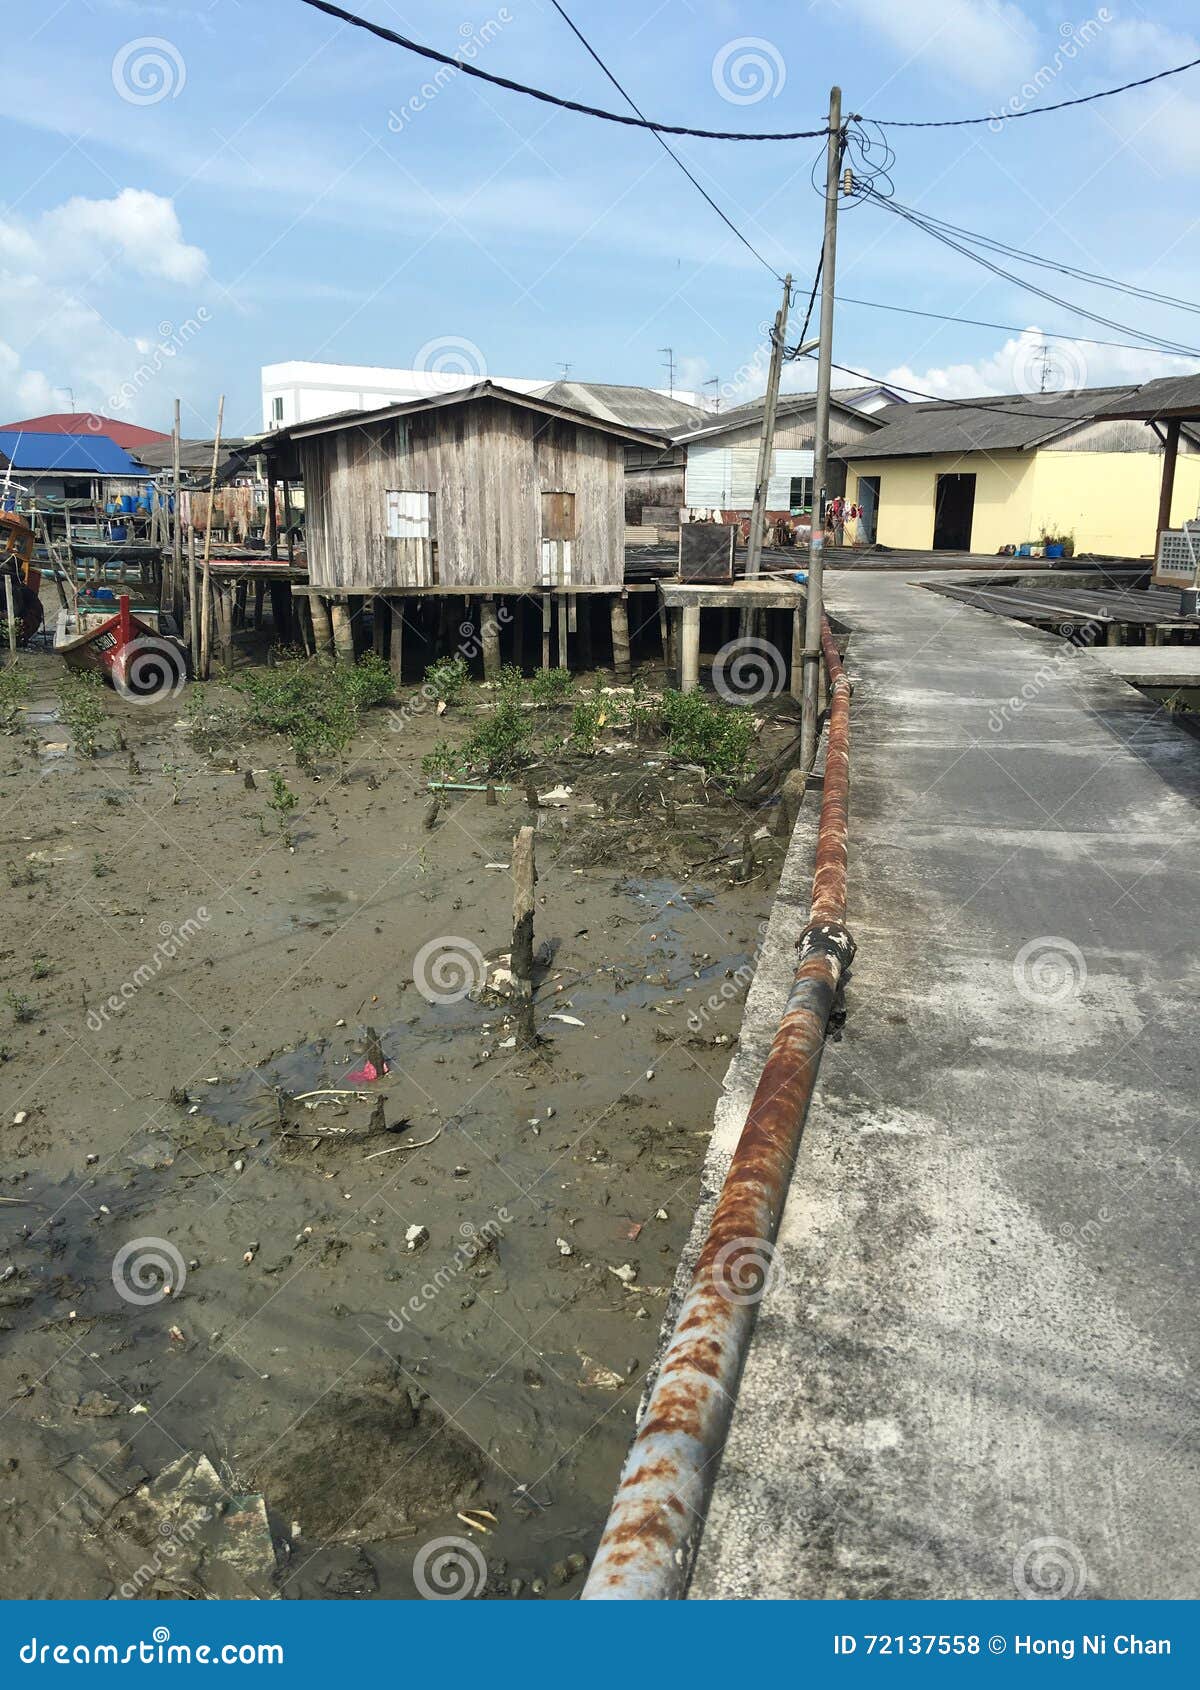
(67, 454)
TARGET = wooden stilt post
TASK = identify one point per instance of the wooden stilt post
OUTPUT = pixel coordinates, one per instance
(619, 616)
(193, 601)
(272, 534)
(689, 665)
(797, 681)
(1167, 486)
(343, 631)
(519, 633)
(524, 877)
(396, 645)
(489, 635)
(546, 612)
(223, 618)
(260, 588)
(379, 626)
(172, 593)
(206, 586)
(664, 633)
(563, 619)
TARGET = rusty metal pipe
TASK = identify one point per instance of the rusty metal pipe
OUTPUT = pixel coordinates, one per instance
(657, 1517)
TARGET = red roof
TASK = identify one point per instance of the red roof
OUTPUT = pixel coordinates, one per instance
(87, 422)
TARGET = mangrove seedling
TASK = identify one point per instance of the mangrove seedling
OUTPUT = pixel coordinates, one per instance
(14, 690)
(23, 1008)
(283, 801)
(80, 708)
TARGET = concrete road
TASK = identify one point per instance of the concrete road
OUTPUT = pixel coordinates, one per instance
(977, 1374)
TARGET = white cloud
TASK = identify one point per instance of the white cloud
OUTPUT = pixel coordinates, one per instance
(56, 336)
(135, 232)
(978, 41)
(1163, 121)
(1016, 367)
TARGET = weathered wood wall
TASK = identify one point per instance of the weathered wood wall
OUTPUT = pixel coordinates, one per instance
(488, 464)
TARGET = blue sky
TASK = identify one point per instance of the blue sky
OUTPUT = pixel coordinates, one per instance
(194, 189)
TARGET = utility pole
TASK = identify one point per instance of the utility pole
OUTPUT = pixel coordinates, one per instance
(766, 441)
(814, 607)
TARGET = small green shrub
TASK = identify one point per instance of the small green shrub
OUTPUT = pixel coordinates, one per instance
(23, 1008)
(368, 682)
(511, 681)
(441, 762)
(716, 736)
(550, 687)
(212, 723)
(587, 718)
(14, 690)
(283, 801)
(500, 743)
(447, 679)
(80, 707)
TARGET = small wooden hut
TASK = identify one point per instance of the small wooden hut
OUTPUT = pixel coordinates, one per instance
(482, 493)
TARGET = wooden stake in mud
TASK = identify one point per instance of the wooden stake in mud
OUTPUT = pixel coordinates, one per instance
(524, 878)
(620, 638)
(206, 588)
(193, 610)
(11, 612)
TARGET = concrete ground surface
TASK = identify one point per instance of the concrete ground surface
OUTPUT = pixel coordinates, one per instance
(974, 1375)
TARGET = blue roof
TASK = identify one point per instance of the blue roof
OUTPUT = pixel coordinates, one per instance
(88, 454)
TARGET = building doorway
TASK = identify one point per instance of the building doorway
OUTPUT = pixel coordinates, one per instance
(954, 510)
(868, 509)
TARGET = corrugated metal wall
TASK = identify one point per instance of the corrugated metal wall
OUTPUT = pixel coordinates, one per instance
(722, 477)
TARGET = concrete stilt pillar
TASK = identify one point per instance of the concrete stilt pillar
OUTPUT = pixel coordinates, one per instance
(489, 633)
(322, 625)
(797, 678)
(396, 648)
(343, 631)
(689, 665)
(619, 614)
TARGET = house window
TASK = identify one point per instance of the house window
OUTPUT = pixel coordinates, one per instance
(277, 409)
(409, 516)
(801, 494)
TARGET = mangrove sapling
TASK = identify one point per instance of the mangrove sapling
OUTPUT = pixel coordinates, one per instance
(173, 773)
(283, 801)
(14, 690)
(80, 708)
(23, 1008)
(447, 679)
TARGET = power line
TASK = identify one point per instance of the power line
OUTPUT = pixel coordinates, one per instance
(996, 408)
(1006, 328)
(670, 152)
(1034, 111)
(424, 52)
(1093, 277)
(1007, 275)
(551, 99)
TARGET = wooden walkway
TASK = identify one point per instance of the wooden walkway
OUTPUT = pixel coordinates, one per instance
(1052, 607)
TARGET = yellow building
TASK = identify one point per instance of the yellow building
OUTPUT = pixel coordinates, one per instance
(949, 476)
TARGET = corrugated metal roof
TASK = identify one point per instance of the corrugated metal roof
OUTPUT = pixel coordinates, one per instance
(1007, 422)
(1169, 395)
(460, 396)
(790, 404)
(67, 454)
(85, 422)
(636, 407)
(194, 455)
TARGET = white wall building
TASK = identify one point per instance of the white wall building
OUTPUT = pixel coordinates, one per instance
(299, 392)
